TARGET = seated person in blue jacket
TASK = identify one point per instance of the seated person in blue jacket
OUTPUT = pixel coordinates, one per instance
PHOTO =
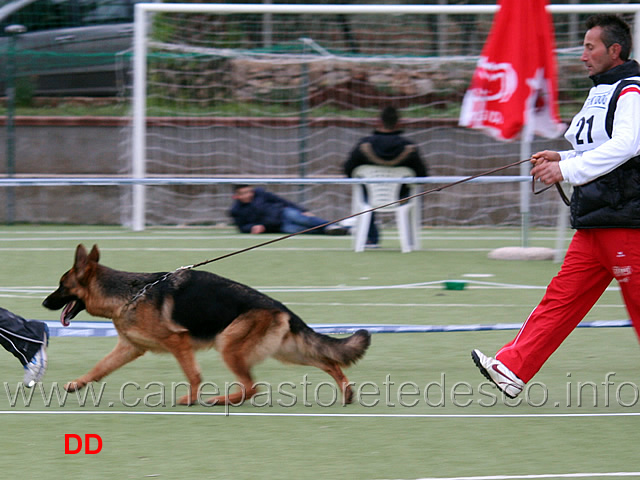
(27, 340)
(256, 210)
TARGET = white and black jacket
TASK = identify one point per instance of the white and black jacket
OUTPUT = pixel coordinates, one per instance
(604, 165)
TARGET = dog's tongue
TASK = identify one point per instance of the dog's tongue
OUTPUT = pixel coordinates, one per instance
(68, 308)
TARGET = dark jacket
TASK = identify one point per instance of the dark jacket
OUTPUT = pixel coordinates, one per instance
(386, 148)
(612, 200)
(265, 209)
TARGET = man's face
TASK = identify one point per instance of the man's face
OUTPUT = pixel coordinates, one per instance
(596, 56)
(244, 194)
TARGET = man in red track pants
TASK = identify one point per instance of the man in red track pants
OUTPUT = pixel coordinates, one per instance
(604, 168)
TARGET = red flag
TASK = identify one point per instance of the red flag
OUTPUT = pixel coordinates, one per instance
(515, 81)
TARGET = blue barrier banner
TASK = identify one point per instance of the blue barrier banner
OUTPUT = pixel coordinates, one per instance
(106, 329)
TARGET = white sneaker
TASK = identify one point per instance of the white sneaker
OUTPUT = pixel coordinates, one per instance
(498, 373)
(37, 366)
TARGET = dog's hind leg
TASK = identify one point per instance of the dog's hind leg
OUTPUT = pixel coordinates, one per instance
(124, 352)
(295, 349)
(341, 379)
(242, 370)
(249, 339)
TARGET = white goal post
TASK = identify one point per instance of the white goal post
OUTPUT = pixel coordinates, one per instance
(143, 16)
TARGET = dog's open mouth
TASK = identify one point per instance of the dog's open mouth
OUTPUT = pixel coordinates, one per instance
(70, 310)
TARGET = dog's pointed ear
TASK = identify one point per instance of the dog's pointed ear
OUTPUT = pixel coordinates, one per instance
(81, 264)
(81, 257)
(94, 255)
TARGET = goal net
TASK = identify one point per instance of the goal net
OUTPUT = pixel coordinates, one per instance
(253, 93)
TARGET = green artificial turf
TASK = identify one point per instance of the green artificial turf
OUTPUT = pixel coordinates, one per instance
(422, 409)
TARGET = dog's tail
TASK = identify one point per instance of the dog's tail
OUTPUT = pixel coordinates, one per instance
(343, 351)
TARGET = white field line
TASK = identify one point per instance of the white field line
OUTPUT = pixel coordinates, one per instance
(51, 235)
(425, 305)
(228, 412)
(210, 250)
(436, 284)
(30, 291)
(36, 294)
(540, 476)
(146, 238)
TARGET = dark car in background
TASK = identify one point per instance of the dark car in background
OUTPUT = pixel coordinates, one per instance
(70, 47)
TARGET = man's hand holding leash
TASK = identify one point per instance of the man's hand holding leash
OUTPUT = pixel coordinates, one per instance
(546, 167)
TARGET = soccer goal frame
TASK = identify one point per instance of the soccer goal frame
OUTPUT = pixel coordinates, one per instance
(141, 22)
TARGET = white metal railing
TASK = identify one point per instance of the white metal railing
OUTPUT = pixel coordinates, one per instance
(64, 181)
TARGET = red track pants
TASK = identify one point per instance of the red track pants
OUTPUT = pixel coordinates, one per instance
(595, 257)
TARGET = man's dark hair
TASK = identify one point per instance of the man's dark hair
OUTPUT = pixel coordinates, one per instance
(389, 117)
(614, 30)
(238, 186)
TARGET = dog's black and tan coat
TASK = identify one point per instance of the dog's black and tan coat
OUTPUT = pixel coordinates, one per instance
(190, 310)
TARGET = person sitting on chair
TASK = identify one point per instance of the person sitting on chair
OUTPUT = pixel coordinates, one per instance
(387, 147)
(256, 210)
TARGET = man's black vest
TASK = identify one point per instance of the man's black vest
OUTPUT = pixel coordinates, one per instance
(612, 200)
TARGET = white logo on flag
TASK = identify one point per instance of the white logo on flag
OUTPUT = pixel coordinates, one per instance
(499, 81)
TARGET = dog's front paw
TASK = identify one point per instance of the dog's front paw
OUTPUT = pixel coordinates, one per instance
(74, 386)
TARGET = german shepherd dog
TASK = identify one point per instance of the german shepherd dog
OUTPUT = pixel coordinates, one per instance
(189, 310)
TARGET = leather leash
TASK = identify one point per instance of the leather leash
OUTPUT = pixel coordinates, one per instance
(284, 237)
(425, 192)
(563, 195)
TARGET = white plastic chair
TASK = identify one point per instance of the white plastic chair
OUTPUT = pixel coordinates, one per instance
(407, 214)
